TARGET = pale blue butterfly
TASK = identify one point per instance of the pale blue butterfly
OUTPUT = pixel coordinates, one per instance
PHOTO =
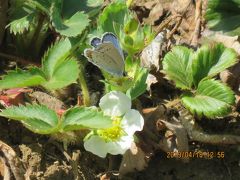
(106, 54)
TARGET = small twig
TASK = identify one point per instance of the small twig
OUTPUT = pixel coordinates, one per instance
(5, 171)
(166, 22)
(15, 165)
(197, 30)
(175, 28)
(73, 162)
(19, 60)
(197, 134)
(204, 8)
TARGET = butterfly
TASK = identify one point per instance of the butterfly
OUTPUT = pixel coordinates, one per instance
(106, 54)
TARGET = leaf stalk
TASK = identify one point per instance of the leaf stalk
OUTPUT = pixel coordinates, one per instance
(83, 85)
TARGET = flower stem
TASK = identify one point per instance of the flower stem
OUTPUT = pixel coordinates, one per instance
(83, 84)
(35, 37)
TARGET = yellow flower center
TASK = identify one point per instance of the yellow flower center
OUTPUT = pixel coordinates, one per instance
(113, 133)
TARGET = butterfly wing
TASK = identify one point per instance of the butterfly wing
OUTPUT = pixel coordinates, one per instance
(95, 41)
(110, 37)
(106, 57)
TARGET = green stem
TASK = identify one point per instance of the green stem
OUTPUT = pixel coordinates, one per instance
(83, 84)
(35, 37)
(39, 6)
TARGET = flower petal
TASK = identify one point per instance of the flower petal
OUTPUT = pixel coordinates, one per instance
(121, 146)
(96, 145)
(99, 147)
(132, 121)
(115, 103)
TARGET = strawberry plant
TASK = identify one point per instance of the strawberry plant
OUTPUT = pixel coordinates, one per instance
(194, 73)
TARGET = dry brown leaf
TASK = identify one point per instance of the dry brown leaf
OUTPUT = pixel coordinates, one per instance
(47, 100)
(155, 14)
(134, 159)
(151, 115)
(180, 6)
(10, 163)
(231, 77)
(186, 9)
(150, 55)
(227, 77)
(151, 79)
(178, 144)
(14, 96)
(148, 5)
(228, 41)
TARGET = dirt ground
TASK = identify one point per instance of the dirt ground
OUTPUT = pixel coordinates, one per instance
(45, 159)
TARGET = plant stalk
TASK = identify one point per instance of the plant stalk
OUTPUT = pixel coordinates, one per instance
(35, 37)
(83, 84)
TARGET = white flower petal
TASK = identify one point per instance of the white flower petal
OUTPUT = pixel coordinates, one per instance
(115, 103)
(99, 147)
(96, 145)
(121, 146)
(132, 121)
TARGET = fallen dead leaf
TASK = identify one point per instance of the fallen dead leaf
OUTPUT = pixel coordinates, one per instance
(228, 41)
(150, 55)
(231, 77)
(151, 79)
(10, 163)
(155, 14)
(178, 144)
(13, 96)
(134, 159)
(47, 100)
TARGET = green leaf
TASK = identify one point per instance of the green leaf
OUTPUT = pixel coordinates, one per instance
(212, 99)
(210, 60)
(21, 17)
(177, 66)
(42, 6)
(70, 7)
(94, 3)
(21, 78)
(38, 119)
(59, 69)
(64, 74)
(224, 16)
(55, 56)
(117, 83)
(70, 27)
(131, 26)
(148, 34)
(139, 85)
(113, 13)
(22, 24)
(133, 43)
(84, 117)
(23, 14)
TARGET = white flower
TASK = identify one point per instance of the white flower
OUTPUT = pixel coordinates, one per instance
(126, 121)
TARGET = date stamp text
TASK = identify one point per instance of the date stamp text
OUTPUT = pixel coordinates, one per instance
(196, 154)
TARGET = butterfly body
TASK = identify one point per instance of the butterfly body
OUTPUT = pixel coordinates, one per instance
(106, 54)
